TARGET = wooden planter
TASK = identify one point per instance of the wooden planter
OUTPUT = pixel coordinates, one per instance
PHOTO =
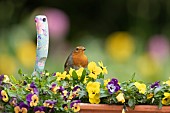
(103, 108)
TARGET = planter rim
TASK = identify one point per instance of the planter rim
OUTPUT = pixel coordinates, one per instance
(141, 108)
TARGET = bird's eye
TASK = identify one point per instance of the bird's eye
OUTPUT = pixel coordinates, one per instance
(44, 20)
(77, 49)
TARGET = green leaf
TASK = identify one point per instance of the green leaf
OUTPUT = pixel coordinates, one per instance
(101, 76)
(157, 90)
(104, 93)
(100, 81)
(131, 103)
(83, 76)
(75, 76)
(12, 93)
(20, 72)
(12, 78)
(82, 93)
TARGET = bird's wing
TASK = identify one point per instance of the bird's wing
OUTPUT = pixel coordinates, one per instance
(68, 63)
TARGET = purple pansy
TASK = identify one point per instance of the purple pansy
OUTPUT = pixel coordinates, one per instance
(13, 101)
(32, 99)
(28, 98)
(39, 109)
(49, 103)
(22, 106)
(113, 86)
(61, 89)
(33, 86)
(75, 88)
(156, 84)
(73, 102)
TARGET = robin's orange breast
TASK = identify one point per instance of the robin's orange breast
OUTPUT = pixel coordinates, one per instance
(80, 59)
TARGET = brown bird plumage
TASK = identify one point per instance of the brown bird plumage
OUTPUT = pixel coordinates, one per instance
(76, 59)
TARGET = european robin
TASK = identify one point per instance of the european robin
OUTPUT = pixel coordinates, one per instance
(76, 59)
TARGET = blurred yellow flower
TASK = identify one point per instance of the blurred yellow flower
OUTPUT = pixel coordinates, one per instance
(7, 64)
(167, 82)
(141, 87)
(120, 97)
(26, 53)
(147, 66)
(94, 70)
(166, 99)
(120, 46)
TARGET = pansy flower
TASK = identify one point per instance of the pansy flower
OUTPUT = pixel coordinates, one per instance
(49, 103)
(156, 84)
(61, 88)
(120, 97)
(94, 70)
(40, 109)
(104, 70)
(75, 105)
(4, 96)
(141, 87)
(93, 89)
(13, 101)
(32, 99)
(54, 88)
(21, 108)
(32, 88)
(65, 106)
(61, 76)
(113, 86)
(76, 91)
(65, 94)
(166, 99)
(79, 72)
(95, 99)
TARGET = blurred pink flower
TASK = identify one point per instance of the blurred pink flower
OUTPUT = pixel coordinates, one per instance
(58, 22)
(159, 48)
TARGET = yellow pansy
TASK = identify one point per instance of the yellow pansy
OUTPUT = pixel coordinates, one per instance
(166, 99)
(79, 72)
(106, 82)
(141, 87)
(94, 70)
(76, 107)
(95, 100)
(104, 70)
(4, 96)
(34, 101)
(120, 97)
(93, 88)
(150, 95)
(61, 76)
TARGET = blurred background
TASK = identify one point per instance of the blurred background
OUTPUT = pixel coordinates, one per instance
(129, 36)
